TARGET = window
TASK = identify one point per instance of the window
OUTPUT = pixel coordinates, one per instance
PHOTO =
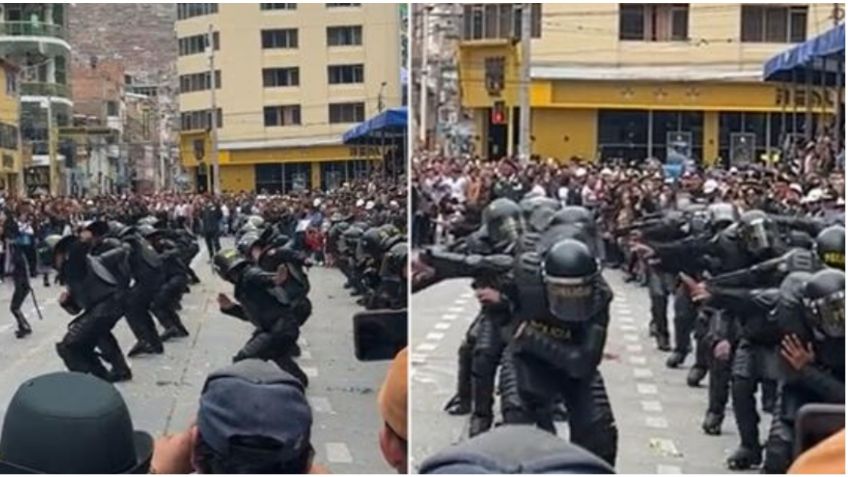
(189, 10)
(8, 136)
(344, 74)
(199, 82)
(344, 35)
(285, 115)
(191, 120)
(282, 38)
(192, 45)
(111, 108)
(11, 83)
(489, 21)
(347, 113)
(774, 24)
(275, 77)
(278, 6)
(343, 5)
(653, 22)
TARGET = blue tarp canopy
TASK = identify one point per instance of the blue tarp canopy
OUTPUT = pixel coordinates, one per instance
(820, 58)
(388, 125)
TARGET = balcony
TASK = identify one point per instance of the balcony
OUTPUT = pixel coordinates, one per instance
(45, 89)
(32, 29)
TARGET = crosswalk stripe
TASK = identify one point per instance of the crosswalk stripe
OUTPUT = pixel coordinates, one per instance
(338, 453)
(435, 336)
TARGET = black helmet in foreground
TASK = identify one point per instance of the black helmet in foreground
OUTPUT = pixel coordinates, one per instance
(569, 273)
(830, 246)
(824, 299)
(227, 263)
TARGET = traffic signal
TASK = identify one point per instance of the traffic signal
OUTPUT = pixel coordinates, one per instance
(499, 113)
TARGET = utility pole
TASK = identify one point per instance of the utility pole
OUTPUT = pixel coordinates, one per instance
(422, 117)
(524, 85)
(213, 116)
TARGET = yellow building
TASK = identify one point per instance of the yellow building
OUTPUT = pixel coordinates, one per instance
(625, 81)
(292, 79)
(10, 143)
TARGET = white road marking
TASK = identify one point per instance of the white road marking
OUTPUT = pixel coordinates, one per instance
(321, 404)
(631, 338)
(456, 309)
(640, 360)
(310, 371)
(623, 311)
(634, 348)
(305, 354)
(626, 319)
(656, 422)
(449, 317)
(668, 469)
(643, 388)
(426, 347)
(442, 326)
(651, 406)
(665, 447)
(434, 336)
(467, 295)
(338, 453)
(642, 373)
(628, 327)
(417, 358)
(424, 379)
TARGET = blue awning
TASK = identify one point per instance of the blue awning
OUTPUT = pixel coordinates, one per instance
(388, 125)
(819, 58)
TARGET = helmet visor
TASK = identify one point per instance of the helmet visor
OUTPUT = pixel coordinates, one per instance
(756, 236)
(569, 299)
(828, 314)
(505, 231)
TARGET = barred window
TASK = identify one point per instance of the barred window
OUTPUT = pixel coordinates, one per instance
(192, 120)
(278, 6)
(283, 115)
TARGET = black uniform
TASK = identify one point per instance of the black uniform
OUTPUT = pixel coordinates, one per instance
(563, 307)
(96, 287)
(270, 308)
(20, 277)
(167, 297)
(148, 271)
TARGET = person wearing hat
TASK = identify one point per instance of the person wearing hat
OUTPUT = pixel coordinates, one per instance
(392, 401)
(20, 275)
(71, 423)
(253, 418)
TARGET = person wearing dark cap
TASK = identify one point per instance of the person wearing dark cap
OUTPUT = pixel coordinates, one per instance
(71, 423)
(514, 449)
(253, 418)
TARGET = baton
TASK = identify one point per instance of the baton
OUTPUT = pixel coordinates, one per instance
(32, 291)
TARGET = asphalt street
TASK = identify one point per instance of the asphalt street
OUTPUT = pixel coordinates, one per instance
(163, 395)
(658, 415)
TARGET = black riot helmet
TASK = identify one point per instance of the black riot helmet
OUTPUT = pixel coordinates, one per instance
(569, 273)
(573, 214)
(538, 212)
(373, 241)
(722, 215)
(757, 232)
(824, 300)
(246, 242)
(228, 263)
(502, 219)
(56, 248)
(830, 246)
(350, 239)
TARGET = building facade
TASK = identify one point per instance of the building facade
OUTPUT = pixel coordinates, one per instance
(33, 36)
(631, 80)
(291, 79)
(10, 143)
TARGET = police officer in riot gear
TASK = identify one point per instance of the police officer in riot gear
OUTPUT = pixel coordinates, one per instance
(148, 271)
(558, 345)
(261, 299)
(176, 277)
(96, 288)
(811, 316)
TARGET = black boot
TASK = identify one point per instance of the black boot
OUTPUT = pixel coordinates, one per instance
(47, 280)
(143, 347)
(744, 458)
(457, 406)
(479, 424)
(675, 359)
(712, 423)
(172, 332)
(695, 376)
(663, 343)
(119, 375)
(23, 326)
